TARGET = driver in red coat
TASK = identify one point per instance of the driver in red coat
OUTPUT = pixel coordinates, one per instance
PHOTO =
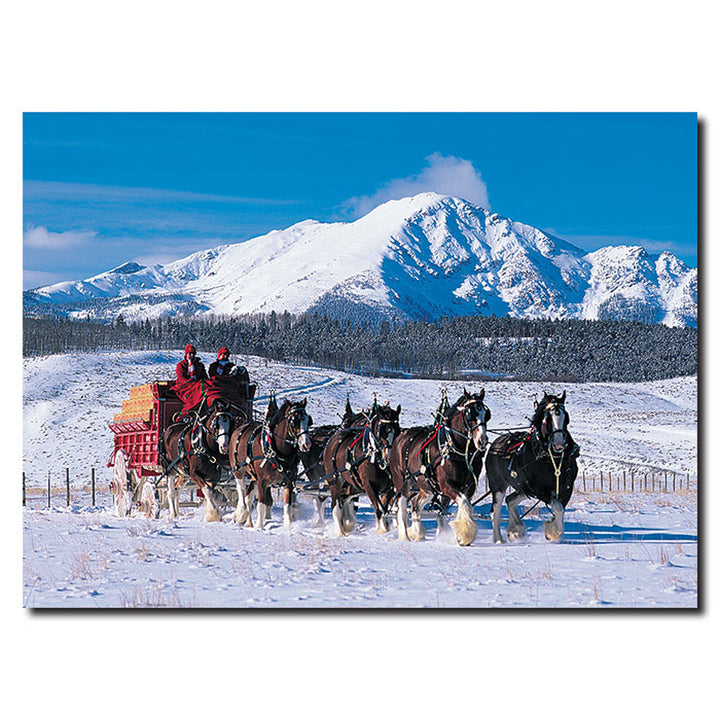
(190, 368)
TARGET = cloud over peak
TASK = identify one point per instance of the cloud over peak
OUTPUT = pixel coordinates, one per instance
(444, 174)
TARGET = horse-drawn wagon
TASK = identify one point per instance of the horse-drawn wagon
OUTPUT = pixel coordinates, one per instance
(138, 460)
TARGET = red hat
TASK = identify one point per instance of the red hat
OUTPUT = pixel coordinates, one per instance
(222, 351)
(189, 348)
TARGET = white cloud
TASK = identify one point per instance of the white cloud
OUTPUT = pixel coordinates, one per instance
(41, 237)
(444, 174)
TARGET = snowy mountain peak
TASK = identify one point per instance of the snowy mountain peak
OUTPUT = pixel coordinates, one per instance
(127, 268)
(424, 256)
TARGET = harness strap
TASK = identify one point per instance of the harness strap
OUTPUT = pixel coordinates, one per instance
(557, 468)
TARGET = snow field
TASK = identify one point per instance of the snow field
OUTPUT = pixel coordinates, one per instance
(620, 550)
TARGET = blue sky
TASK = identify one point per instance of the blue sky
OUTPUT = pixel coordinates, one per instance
(104, 188)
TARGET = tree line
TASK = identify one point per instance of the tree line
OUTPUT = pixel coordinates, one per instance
(452, 348)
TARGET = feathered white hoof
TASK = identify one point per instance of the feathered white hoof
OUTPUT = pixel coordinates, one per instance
(318, 519)
(337, 521)
(464, 526)
(465, 531)
(348, 517)
(555, 528)
(401, 517)
(382, 526)
(516, 534)
(348, 526)
(212, 513)
(290, 514)
(261, 516)
(416, 532)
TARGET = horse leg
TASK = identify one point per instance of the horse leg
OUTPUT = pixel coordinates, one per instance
(441, 513)
(264, 505)
(555, 528)
(337, 512)
(348, 515)
(381, 526)
(497, 501)
(212, 508)
(402, 518)
(516, 527)
(463, 524)
(319, 519)
(417, 531)
(197, 475)
(242, 514)
(174, 482)
(290, 509)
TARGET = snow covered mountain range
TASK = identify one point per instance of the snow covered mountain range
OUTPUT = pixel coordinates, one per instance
(420, 257)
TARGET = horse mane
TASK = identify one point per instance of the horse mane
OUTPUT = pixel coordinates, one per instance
(279, 412)
(454, 408)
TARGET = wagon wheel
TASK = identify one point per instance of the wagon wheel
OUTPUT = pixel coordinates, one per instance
(147, 498)
(119, 485)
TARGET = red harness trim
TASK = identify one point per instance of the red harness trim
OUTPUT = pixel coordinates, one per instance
(356, 440)
(430, 439)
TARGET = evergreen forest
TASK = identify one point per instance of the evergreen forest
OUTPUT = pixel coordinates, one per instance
(471, 347)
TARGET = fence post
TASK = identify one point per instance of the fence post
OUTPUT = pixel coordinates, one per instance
(609, 480)
(624, 482)
(67, 487)
(601, 481)
(92, 485)
(673, 482)
(665, 481)
(486, 475)
(48, 489)
(23, 489)
(632, 481)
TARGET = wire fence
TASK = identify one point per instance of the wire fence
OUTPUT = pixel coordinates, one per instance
(632, 482)
(61, 489)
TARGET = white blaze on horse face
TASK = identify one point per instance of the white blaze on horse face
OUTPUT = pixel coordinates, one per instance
(556, 428)
(223, 436)
(480, 436)
(304, 441)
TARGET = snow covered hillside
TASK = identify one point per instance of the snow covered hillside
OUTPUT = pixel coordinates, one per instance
(621, 549)
(420, 257)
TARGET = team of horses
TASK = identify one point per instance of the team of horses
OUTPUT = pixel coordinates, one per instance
(401, 471)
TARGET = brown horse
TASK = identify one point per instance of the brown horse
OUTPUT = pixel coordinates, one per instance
(196, 450)
(441, 464)
(356, 462)
(312, 475)
(265, 454)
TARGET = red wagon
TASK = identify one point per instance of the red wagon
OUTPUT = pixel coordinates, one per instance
(135, 458)
(138, 429)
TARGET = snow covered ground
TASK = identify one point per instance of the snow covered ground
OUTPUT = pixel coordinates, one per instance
(621, 549)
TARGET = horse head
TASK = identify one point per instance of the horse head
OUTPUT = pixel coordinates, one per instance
(385, 427)
(474, 414)
(219, 425)
(551, 420)
(293, 423)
